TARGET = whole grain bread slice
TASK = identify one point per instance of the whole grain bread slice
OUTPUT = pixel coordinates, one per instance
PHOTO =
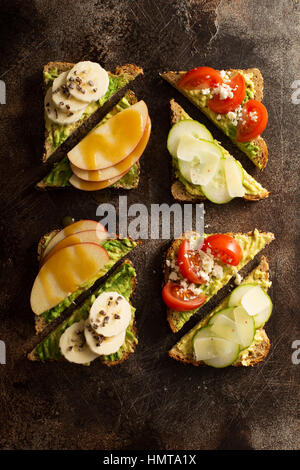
(32, 356)
(261, 158)
(178, 189)
(257, 352)
(246, 240)
(128, 71)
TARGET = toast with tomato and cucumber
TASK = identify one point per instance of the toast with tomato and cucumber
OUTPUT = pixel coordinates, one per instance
(233, 333)
(202, 168)
(71, 260)
(197, 266)
(102, 327)
(231, 99)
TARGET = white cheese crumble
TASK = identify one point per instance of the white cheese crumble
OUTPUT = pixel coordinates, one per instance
(219, 117)
(238, 279)
(223, 90)
(205, 91)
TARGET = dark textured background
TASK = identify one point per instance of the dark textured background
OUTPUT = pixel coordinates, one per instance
(151, 401)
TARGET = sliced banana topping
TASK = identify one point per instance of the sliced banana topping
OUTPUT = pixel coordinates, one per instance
(100, 344)
(110, 314)
(56, 115)
(87, 81)
(62, 98)
(73, 345)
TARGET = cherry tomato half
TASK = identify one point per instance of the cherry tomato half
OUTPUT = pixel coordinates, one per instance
(254, 119)
(189, 262)
(178, 298)
(223, 247)
(223, 106)
(200, 77)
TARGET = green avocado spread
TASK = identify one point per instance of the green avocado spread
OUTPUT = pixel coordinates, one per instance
(251, 244)
(116, 250)
(222, 120)
(58, 133)
(185, 345)
(252, 187)
(61, 173)
(121, 281)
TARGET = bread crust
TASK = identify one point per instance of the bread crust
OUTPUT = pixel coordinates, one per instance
(131, 71)
(173, 248)
(262, 156)
(260, 350)
(178, 190)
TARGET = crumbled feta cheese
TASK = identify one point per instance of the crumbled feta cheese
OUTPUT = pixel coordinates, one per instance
(238, 279)
(219, 117)
(233, 117)
(173, 276)
(217, 271)
(223, 73)
(205, 91)
(253, 116)
(223, 90)
(168, 263)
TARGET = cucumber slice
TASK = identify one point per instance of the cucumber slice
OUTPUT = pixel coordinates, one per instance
(186, 127)
(198, 160)
(245, 327)
(224, 328)
(216, 190)
(234, 178)
(212, 350)
(237, 294)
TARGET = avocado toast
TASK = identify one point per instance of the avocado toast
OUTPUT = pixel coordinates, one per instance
(113, 250)
(123, 282)
(56, 134)
(249, 245)
(61, 173)
(184, 190)
(256, 148)
(252, 355)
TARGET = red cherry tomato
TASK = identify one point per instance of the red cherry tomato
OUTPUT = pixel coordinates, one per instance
(253, 121)
(178, 298)
(238, 87)
(201, 77)
(224, 248)
(189, 262)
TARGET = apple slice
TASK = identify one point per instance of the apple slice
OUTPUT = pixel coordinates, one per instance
(88, 236)
(123, 166)
(93, 185)
(111, 142)
(79, 226)
(64, 273)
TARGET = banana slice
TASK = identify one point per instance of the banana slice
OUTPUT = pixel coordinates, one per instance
(110, 314)
(62, 98)
(87, 81)
(73, 345)
(100, 344)
(58, 116)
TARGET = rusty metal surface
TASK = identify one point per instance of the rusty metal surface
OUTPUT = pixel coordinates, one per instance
(151, 401)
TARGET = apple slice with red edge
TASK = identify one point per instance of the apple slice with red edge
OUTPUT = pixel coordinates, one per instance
(83, 185)
(87, 236)
(79, 226)
(111, 142)
(64, 272)
(120, 168)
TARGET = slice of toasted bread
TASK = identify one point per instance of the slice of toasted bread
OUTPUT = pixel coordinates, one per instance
(260, 158)
(126, 73)
(257, 352)
(180, 191)
(33, 356)
(63, 168)
(251, 243)
(39, 321)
